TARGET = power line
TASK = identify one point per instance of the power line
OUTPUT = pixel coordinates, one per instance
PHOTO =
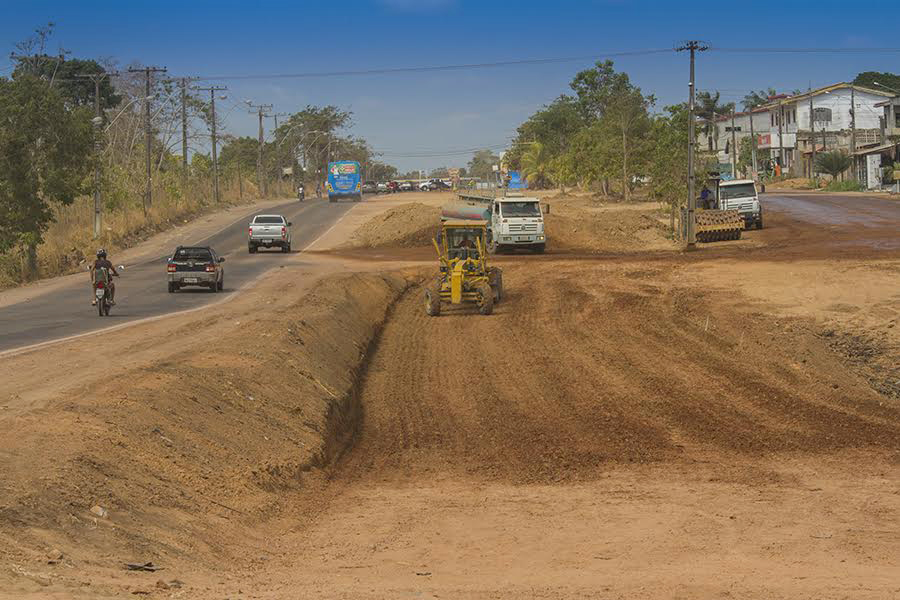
(426, 69)
(885, 50)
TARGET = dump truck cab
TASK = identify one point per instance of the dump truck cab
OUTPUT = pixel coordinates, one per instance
(464, 276)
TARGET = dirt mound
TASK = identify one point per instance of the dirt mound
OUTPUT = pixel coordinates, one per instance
(406, 226)
(581, 367)
(797, 183)
(571, 228)
(188, 455)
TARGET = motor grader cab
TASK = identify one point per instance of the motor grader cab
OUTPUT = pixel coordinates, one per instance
(464, 273)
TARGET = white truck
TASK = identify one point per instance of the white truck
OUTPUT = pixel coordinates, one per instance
(269, 231)
(515, 220)
(741, 195)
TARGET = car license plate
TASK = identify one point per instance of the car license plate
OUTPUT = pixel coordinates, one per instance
(267, 242)
(523, 238)
(190, 280)
(100, 292)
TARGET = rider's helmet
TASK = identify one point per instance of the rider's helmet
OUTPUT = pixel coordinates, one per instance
(101, 253)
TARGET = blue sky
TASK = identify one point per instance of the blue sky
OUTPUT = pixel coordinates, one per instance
(441, 111)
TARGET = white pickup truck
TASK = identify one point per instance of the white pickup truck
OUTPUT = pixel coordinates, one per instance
(269, 231)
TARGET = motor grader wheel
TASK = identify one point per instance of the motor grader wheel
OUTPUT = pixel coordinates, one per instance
(485, 298)
(433, 301)
(495, 277)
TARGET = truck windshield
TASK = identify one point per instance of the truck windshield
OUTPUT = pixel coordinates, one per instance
(268, 220)
(742, 190)
(520, 209)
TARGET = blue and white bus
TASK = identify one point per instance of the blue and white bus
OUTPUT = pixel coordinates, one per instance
(343, 181)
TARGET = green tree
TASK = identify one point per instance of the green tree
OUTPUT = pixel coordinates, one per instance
(76, 91)
(553, 126)
(889, 81)
(708, 108)
(596, 89)
(535, 165)
(46, 154)
(482, 164)
(745, 157)
(668, 159)
(833, 162)
(755, 99)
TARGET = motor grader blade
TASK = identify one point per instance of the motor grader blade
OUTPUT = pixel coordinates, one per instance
(718, 225)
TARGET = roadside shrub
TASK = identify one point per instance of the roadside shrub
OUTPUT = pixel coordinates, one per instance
(844, 186)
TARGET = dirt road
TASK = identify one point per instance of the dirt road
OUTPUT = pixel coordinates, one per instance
(642, 425)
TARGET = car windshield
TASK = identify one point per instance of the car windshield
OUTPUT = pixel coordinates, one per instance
(742, 190)
(520, 209)
(269, 220)
(193, 254)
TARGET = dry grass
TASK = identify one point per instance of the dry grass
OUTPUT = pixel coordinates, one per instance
(69, 241)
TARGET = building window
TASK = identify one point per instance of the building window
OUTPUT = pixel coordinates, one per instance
(822, 115)
(896, 116)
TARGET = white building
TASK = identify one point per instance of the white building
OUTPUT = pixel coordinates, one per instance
(783, 125)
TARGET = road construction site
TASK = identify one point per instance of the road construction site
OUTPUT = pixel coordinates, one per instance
(632, 421)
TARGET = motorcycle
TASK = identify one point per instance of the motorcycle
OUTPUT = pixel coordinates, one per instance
(301, 194)
(102, 282)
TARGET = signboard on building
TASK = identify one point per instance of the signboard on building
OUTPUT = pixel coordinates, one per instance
(764, 140)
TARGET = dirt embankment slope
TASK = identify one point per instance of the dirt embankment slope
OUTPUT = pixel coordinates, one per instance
(189, 454)
(574, 224)
(409, 225)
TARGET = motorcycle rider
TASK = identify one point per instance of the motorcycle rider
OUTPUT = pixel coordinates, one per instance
(301, 194)
(101, 263)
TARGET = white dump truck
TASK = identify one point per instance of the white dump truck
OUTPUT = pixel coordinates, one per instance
(515, 221)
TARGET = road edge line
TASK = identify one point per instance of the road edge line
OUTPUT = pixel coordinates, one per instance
(26, 349)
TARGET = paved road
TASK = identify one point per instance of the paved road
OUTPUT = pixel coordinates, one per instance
(141, 291)
(836, 209)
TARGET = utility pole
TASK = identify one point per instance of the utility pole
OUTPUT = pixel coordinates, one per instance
(734, 150)
(853, 173)
(212, 106)
(780, 137)
(277, 152)
(812, 137)
(147, 71)
(260, 175)
(183, 83)
(754, 175)
(690, 233)
(98, 122)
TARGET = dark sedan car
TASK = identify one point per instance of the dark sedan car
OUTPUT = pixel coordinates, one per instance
(195, 266)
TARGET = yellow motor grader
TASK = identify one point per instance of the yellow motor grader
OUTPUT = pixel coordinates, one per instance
(464, 273)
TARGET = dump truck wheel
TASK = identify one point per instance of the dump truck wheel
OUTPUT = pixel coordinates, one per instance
(485, 298)
(432, 302)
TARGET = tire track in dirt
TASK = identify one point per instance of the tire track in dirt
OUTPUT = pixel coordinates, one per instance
(578, 368)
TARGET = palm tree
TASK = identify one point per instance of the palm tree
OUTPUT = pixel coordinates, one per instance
(834, 162)
(707, 109)
(535, 163)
